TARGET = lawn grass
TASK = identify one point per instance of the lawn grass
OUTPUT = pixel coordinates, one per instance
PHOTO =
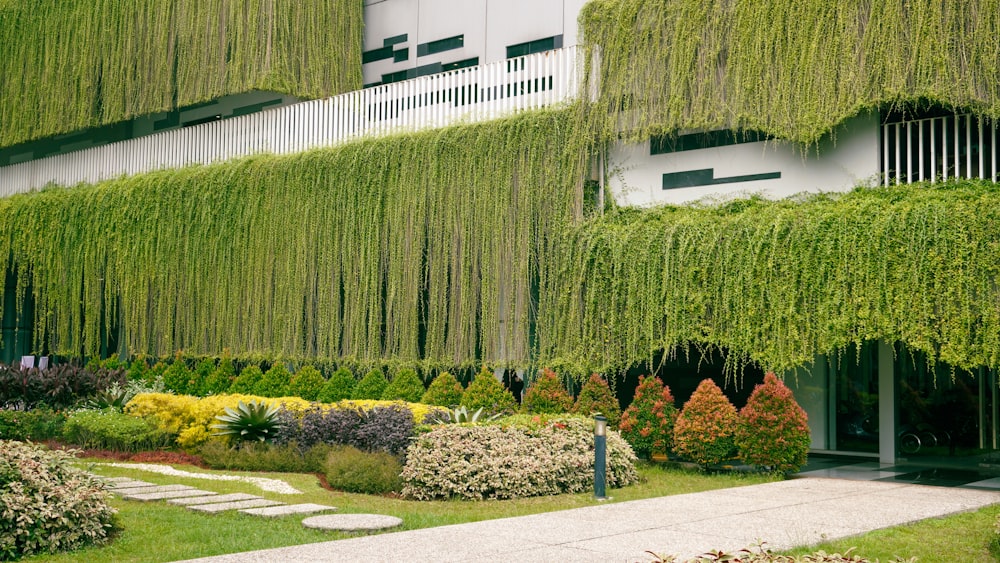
(960, 538)
(157, 531)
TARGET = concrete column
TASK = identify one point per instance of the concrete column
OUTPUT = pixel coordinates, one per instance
(887, 413)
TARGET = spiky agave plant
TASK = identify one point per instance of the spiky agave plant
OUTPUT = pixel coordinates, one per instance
(255, 420)
(462, 415)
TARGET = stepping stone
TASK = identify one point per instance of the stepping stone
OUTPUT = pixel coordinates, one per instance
(130, 484)
(352, 522)
(273, 511)
(116, 479)
(224, 506)
(163, 495)
(212, 499)
(154, 489)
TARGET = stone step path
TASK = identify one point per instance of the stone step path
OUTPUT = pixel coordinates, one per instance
(210, 502)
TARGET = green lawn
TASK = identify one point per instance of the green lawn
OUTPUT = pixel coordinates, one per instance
(961, 538)
(157, 531)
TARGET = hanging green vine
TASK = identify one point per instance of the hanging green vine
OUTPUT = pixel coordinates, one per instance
(421, 247)
(779, 282)
(791, 68)
(66, 65)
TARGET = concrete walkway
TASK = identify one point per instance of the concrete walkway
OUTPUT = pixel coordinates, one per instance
(785, 514)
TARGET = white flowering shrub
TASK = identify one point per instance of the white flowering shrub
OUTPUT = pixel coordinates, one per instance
(46, 504)
(519, 457)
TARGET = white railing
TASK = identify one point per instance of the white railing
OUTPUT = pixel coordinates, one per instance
(939, 148)
(464, 95)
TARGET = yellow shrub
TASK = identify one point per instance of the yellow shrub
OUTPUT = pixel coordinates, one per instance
(193, 436)
(171, 412)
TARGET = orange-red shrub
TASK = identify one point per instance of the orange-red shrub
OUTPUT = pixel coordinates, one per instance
(773, 431)
(704, 429)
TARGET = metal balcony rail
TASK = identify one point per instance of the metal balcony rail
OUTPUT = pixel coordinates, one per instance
(939, 148)
(470, 94)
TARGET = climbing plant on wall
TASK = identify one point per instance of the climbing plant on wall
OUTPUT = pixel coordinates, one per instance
(791, 68)
(426, 246)
(777, 282)
(66, 65)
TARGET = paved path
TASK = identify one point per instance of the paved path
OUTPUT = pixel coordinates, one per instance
(784, 514)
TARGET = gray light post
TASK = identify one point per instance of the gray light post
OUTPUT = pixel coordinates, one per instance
(600, 455)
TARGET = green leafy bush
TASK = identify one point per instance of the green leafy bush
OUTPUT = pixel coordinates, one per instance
(546, 395)
(487, 392)
(274, 383)
(248, 421)
(203, 370)
(705, 427)
(371, 386)
(47, 505)
(36, 425)
(352, 470)
(596, 397)
(138, 370)
(340, 386)
(772, 430)
(263, 456)
(247, 381)
(444, 391)
(221, 378)
(112, 430)
(306, 383)
(521, 456)
(406, 385)
(177, 376)
(648, 422)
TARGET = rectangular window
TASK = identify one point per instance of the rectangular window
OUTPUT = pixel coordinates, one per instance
(706, 177)
(379, 54)
(441, 45)
(666, 144)
(937, 145)
(536, 46)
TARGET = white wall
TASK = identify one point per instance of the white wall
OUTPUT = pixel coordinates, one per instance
(488, 26)
(636, 177)
(811, 388)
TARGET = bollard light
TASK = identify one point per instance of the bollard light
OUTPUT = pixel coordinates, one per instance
(600, 455)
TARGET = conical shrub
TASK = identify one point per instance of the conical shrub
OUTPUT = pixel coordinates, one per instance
(648, 422)
(487, 392)
(371, 386)
(546, 395)
(596, 397)
(406, 385)
(705, 428)
(773, 430)
(444, 391)
(340, 386)
(306, 383)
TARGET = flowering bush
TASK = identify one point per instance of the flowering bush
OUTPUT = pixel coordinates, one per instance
(547, 395)
(648, 422)
(596, 397)
(371, 386)
(704, 429)
(517, 457)
(46, 504)
(487, 392)
(772, 429)
(338, 387)
(406, 385)
(444, 391)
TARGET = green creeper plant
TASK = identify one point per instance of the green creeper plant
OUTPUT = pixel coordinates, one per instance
(444, 391)
(306, 383)
(546, 395)
(772, 430)
(648, 422)
(274, 383)
(340, 386)
(705, 426)
(596, 397)
(406, 385)
(253, 421)
(486, 392)
(246, 383)
(371, 386)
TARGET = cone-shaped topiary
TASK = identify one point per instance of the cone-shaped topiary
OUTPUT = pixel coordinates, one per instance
(274, 383)
(648, 422)
(704, 429)
(371, 386)
(406, 385)
(222, 377)
(444, 391)
(487, 392)
(547, 395)
(247, 380)
(138, 370)
(596, 397)
(177, 376)
(199, 377)
(306, 383)
(772, 430)
(340, 386)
